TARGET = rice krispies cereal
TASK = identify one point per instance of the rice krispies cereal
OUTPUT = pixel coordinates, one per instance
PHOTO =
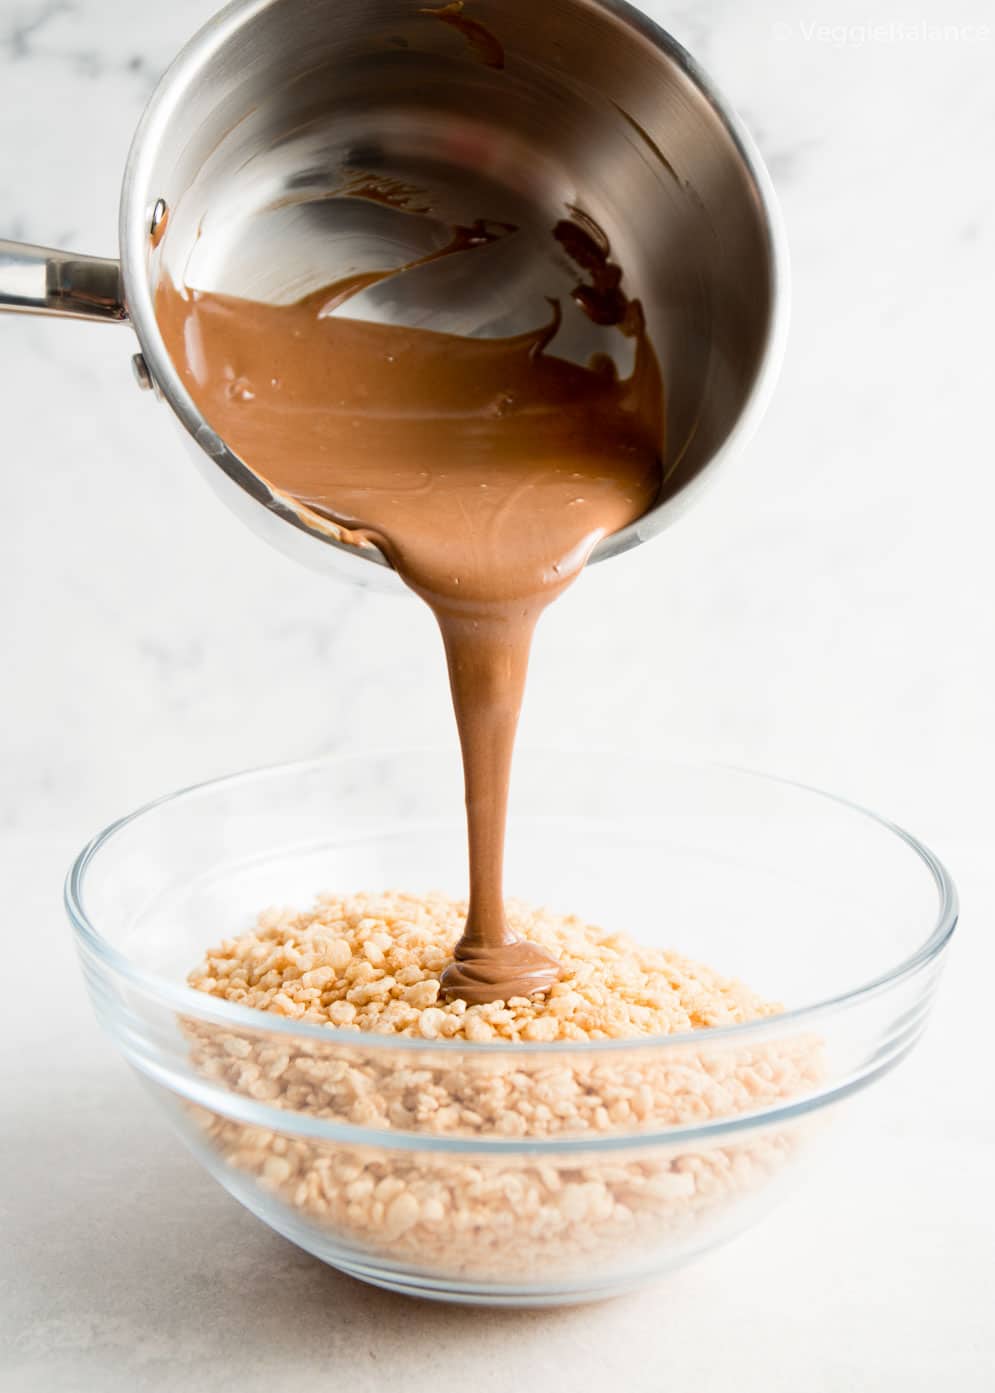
(371, 963)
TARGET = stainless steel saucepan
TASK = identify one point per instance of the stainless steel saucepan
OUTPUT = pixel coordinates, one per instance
(501, 109)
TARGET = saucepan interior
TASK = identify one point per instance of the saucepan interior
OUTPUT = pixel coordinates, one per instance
(496, 112)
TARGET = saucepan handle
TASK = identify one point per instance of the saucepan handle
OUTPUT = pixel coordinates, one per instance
(38, 280)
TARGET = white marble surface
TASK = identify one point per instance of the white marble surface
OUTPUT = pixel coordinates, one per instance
(825, 614)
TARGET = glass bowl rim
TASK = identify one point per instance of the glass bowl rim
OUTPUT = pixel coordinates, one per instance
(199, 1004)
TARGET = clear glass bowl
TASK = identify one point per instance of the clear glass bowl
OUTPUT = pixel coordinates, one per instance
(659, 1148)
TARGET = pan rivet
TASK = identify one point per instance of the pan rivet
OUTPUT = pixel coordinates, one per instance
(141, 370)
(158, 213)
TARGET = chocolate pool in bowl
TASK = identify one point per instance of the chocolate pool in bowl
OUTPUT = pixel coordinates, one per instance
(319, 1130)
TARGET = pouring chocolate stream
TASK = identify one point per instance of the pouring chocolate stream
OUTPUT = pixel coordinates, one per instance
(487, 470)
